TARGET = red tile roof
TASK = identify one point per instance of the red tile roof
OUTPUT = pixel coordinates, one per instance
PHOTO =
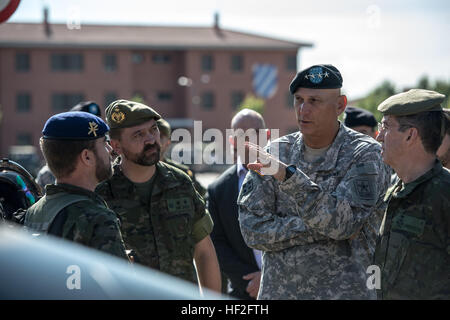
(138, 37)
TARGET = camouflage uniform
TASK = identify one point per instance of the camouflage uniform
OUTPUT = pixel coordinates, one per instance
(87, 220)
(413, 251)
(200, 189)
(162, 233)
(303, 224)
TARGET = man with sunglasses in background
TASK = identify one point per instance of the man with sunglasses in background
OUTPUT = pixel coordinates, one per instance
(77, 151)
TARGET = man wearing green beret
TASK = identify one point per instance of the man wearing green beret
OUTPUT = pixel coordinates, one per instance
(164, 221)
(165, 131)
(413, 248)
(77, 152)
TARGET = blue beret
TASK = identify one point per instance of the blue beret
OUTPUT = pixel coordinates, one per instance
(355, 117)
(74, 125)
(322, 76)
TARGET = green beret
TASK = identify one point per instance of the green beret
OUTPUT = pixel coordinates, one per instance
(124, 113)
(164, 127)
(412, 102)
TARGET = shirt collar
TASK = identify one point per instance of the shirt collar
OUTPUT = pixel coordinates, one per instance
(331, 156)
(240, 167)
(409, 187)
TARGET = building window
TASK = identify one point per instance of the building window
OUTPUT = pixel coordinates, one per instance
(289, 100)
(109, 97)
(23, 103)
(237, 97)
(22, 62)
(164, 96)
(208, 100)
(207, 62)
(237, 63)
(291, 63)
(24, 138)
(137, 57)
(67, 62)
(161, 58)
(110, 62)
(62, 102)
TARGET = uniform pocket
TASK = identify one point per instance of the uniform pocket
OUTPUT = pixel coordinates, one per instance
(397, 251)
(178, 225)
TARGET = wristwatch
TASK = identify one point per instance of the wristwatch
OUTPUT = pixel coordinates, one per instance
(290, 170)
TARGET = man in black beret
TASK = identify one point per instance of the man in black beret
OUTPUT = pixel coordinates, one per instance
(77, 151)
(361, 120)
(164, 220)
(316, 214)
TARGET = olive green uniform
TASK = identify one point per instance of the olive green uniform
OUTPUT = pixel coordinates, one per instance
(413, 251)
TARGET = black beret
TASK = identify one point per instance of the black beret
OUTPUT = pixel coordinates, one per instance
(88, 106)
(74, 125)
(359, 117)
(323, 76)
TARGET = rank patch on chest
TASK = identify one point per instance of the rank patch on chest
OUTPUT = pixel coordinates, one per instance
(179, 204)
(409, 224)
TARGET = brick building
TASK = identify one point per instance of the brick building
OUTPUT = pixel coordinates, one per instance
(186, 73)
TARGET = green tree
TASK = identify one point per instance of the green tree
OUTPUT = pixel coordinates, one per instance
(376, 96)
(139, 98)
(253, 103)
(443, 87)
(440, 86)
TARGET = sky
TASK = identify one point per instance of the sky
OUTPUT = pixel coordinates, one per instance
(368, 41)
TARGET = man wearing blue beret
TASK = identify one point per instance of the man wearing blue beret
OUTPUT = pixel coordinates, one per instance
(315, 216)
(45, 176)
(77, 151)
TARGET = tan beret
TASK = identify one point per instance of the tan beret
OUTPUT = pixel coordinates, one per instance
(412, 102)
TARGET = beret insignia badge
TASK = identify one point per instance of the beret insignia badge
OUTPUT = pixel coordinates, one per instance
(117, 116)
(93, 127)
(316, 75)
